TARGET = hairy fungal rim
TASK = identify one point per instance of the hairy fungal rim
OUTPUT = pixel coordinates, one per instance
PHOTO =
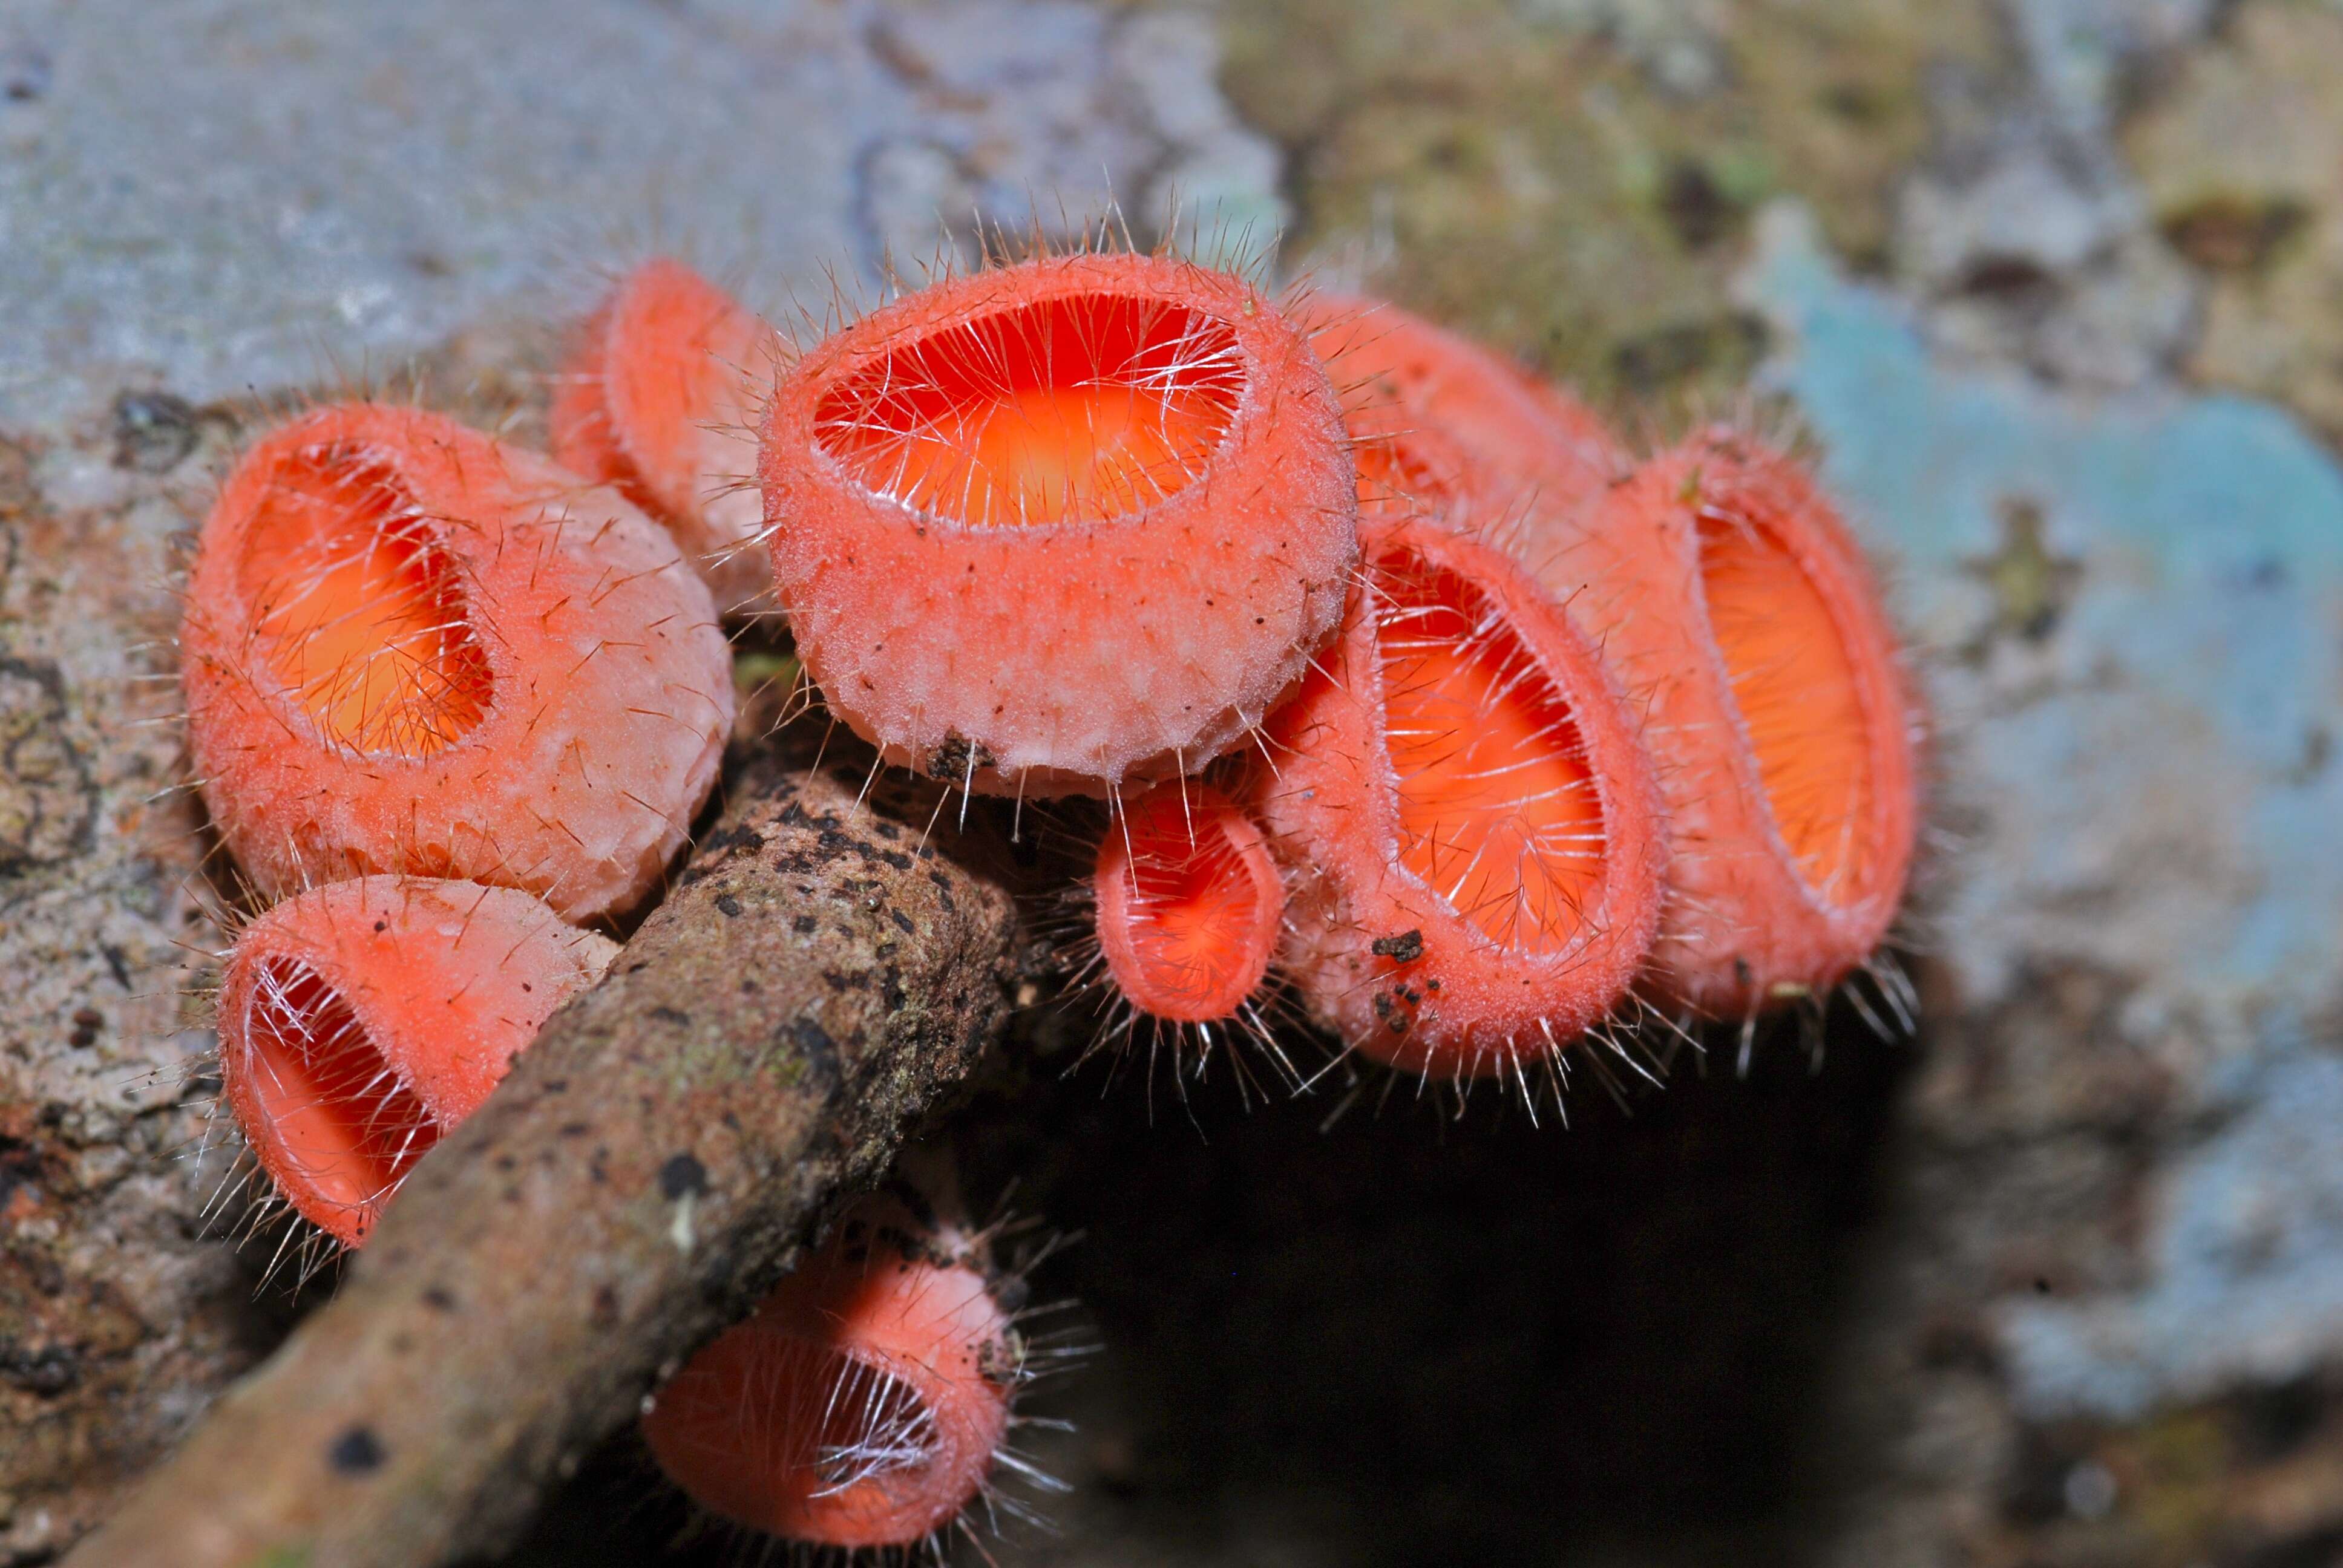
(1381, 955)
(1074, 657)
(1724, 576)
(856, 1442)
(956, 425)
(600, 728)
(1756, 528)
(866, 1402)
(361, 1020)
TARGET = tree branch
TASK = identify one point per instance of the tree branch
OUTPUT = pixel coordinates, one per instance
(808, 991)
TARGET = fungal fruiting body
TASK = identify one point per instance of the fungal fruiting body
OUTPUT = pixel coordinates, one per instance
(1468, 812)
(863, 1404)
(660, 399)
(408, 648)
(1188, 903)
(360, 1020)
(1446, 429)
(1782, 723)
(1063, 524)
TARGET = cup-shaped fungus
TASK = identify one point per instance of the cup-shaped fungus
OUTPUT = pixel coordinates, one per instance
(360, 1020)
(1063, 524)
(1446, 429)
(863, 1404)
(1468, 812)
(660, 398)
(1784, 727)
(408, 648)
(1188, 903)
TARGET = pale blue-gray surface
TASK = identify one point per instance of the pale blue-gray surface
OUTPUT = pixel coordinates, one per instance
(228, 194)
(2152, 784)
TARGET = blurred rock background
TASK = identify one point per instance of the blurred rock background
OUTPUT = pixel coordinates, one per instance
(2055, 287)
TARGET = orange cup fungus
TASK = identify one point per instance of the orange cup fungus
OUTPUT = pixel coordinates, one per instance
(1470, 816)
(1061, 525)
(660, 399)
(865, 1402)
(1786, 732)
(408, 648)
(1444, 429)
(360, 1020)
(1189, 904)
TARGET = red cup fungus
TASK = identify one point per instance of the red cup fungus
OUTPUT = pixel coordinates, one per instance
(1063, 525)
(865, 1403)
(1467, 812)
(660, 398)
(1189, 905)
(1726, 583)
(408, 648)
(1448, 430)
(360, 1020)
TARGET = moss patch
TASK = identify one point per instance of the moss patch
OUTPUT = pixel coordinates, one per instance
(1573, 181)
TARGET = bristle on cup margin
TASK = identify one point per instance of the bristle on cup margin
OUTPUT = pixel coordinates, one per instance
(862, 1406)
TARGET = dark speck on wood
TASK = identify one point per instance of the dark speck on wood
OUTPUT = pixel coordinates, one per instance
(681, 1177)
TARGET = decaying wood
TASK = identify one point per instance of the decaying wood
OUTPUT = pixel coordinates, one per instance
(818, 978)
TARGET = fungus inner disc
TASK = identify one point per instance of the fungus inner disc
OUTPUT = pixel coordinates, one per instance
(1794, 681)
(340, 1126)
(1187, 923)
(1499, 811)
(356, 609)
(1074, 410)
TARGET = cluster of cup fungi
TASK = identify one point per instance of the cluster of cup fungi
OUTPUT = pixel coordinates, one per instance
(1412, 699)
